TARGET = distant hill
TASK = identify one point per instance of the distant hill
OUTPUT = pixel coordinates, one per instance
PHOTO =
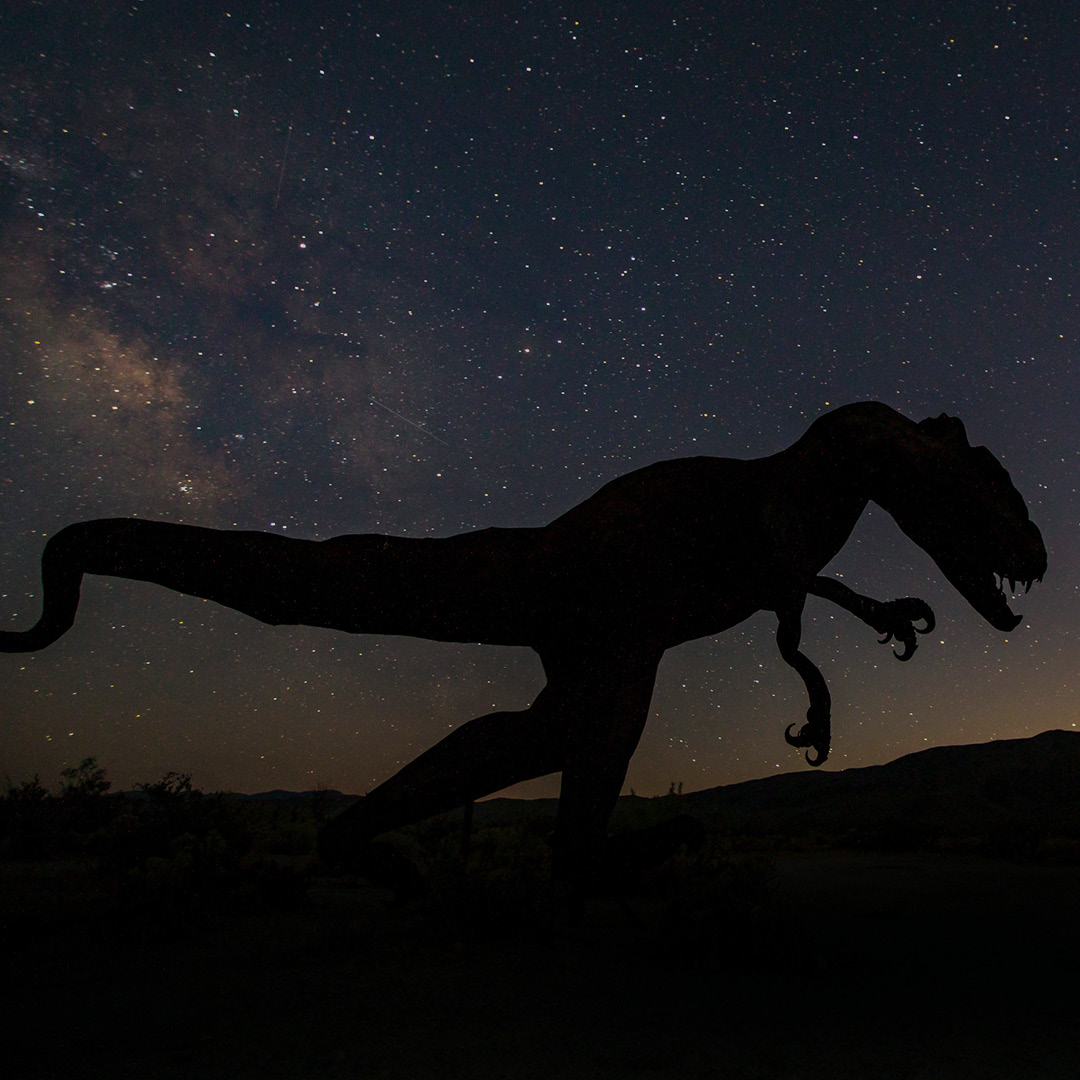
(1010, 792)
(331, 800)
(1009, 789)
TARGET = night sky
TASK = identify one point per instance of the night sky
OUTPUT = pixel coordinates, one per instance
(425, 268)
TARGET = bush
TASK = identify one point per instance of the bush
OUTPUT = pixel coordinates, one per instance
(502, 889)
(35, 824)
(168, 853)
(84, 782)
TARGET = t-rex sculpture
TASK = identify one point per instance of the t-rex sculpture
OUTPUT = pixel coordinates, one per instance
(674, 551)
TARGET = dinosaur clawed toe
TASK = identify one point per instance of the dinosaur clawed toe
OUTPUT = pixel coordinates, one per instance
(815, 733)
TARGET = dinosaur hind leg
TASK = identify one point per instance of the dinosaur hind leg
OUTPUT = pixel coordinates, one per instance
(585, 722)
(611, 706)
(482, 756)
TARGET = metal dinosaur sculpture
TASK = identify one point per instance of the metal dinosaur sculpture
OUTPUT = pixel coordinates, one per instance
(675, 551)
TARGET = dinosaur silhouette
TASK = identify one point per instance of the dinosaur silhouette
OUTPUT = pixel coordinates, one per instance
(675, 551)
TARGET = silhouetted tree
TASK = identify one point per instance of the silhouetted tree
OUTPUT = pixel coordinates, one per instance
(84, 781)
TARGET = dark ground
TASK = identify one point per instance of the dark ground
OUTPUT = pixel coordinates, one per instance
(827, 965)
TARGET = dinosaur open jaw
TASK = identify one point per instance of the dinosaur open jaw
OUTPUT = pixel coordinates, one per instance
(990, 592)
(992, 598)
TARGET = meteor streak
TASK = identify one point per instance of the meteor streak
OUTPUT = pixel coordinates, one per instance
(423, 431)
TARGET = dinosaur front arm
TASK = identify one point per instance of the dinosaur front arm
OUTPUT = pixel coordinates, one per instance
(893, 618)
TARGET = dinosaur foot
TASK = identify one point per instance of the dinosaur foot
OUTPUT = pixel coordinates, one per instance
(815, 733)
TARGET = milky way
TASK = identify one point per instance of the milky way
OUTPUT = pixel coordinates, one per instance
(343, 268)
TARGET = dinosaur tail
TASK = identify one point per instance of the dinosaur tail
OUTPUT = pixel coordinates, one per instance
(60, 579)
(452, 589)
(229, 567)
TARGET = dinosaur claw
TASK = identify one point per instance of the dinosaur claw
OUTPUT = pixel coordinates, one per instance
(816, 736)
(899, 621)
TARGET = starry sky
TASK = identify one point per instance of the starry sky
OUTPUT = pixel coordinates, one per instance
(418, 269)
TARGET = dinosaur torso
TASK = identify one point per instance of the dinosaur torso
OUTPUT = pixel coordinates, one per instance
(686, 548)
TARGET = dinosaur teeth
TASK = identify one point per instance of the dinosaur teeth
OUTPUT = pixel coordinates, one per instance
(1014, 584)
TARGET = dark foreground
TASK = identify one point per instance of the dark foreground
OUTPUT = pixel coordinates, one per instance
(815, 965)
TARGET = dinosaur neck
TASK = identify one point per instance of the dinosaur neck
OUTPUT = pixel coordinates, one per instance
(862, 449)
(824, 481)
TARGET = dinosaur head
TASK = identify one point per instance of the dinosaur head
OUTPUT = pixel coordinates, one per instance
(958, 503)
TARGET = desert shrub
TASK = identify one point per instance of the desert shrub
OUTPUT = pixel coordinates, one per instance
(642, 812)
(169, 855)
(186, 859)
(900, 834)
(321, 807)
(718, 875)
(1017, 839)
(501, 888)
(84, 796)
(28, 793)
(1061, 849)
(35, 824)
(27, 820)
(84, 782)
(149, 821)
(711, 907)
(283, 829)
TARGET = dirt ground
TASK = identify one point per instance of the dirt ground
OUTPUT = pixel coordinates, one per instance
(906, 966)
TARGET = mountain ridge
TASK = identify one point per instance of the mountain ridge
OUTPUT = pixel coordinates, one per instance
(1011, 790)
